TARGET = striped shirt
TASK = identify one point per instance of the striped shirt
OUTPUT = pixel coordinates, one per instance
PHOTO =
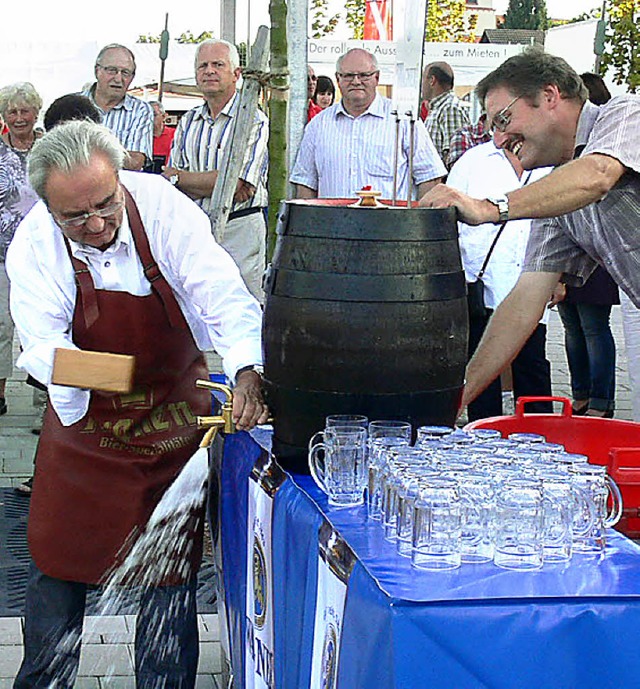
(605, 232)
(199, 146)
(131, 121)
(339, 154)
(446, 115)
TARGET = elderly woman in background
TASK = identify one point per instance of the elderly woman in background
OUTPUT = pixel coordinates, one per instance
(19, 107)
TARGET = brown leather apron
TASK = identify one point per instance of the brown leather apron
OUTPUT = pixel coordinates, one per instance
(98, 481)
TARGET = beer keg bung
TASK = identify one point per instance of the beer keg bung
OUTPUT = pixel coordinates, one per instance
(365, 313)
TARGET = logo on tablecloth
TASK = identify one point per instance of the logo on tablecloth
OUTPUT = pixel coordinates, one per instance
(330, 657)
(260, 583)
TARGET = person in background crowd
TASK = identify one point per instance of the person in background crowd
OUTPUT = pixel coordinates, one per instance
(352, 143)
(128, 117)
(162, 136)
(73, 106)
(120, 262)
(489, 171)
(588, 208)
(467, 137)
(3, 127)
(312, 107)
(585, 313)
(19, 107)
(198, 148)
(446, 112)
(325, 93)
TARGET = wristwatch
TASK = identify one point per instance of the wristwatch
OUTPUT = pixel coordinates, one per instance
(175, 179)
(502, 203)
(256, 368)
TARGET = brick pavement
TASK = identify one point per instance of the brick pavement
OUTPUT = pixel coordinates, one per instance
(107, 655)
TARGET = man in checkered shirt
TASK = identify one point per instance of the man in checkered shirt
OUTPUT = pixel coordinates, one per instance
(446, 114)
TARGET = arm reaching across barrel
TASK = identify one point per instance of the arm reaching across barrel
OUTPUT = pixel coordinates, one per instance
(509, 328)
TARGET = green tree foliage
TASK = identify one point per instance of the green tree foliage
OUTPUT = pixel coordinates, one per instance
(186, 37)
(355, 17)
(446, 22)
(526, 14)
(321, 24)
(621, 43)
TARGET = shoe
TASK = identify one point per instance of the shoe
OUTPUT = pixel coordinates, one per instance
(3, 406)
(597, 414)
(25, 489)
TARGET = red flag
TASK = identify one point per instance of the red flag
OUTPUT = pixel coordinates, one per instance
(378, 24)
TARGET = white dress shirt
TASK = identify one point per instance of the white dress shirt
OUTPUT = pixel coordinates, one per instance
(339, 154)
(203, 277)
(484, 171)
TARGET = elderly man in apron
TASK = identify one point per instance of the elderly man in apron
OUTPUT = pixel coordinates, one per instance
(118, 262)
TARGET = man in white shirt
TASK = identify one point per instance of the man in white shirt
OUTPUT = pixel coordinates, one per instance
(118, 262)
(202, 136)
(352, 143)
(487, 171)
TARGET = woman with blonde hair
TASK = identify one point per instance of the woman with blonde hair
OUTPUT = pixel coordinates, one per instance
(19, 107)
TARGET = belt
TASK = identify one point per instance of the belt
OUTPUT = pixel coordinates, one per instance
(245, 211)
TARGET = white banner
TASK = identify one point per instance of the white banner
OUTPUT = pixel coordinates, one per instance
(335, 563)
(470, 61)
(259, 665)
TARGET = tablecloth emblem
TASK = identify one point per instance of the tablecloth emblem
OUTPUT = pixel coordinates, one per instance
(260, 583)
(329, 657)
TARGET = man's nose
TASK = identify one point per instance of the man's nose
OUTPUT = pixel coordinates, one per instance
(95, 224)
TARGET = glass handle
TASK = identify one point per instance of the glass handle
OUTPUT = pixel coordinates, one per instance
(615, 513)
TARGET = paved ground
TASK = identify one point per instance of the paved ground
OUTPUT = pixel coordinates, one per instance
(107, 655)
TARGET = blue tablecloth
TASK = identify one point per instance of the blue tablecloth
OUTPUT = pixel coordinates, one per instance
(564, 627)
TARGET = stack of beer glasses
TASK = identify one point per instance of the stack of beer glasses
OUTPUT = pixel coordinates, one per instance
(474, 497)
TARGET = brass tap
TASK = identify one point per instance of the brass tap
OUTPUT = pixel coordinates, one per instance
(224, 422)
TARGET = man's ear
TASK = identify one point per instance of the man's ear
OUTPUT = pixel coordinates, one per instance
(551, 96)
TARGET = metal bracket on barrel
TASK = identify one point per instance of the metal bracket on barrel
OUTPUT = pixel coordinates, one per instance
(224, 422)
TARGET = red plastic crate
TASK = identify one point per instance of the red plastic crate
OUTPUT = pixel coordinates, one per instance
(611, 442)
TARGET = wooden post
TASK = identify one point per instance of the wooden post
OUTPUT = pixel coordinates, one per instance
(231, 165)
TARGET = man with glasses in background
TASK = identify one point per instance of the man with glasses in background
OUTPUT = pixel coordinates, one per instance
(351, 144)
(119, 262)
(128, 117)
(587, 211)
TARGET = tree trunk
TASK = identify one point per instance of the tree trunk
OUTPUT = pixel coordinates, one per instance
(278, 103)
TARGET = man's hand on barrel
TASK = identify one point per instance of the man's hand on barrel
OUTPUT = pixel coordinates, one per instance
(471, 211)
(249, 408)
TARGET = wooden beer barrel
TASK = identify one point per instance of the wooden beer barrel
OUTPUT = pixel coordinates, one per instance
(365, 313)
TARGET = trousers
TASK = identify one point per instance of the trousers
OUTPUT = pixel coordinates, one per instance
(531, 373)
(166, 637)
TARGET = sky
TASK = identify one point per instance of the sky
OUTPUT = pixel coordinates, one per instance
(123, 20)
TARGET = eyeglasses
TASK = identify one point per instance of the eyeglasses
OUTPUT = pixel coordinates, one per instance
(80, 220)
(351, 76)
(112, 71)
(502, 119)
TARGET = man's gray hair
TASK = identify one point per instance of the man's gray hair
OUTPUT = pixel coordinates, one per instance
(234, 56)
(372, 57)
(158, 103)
(69, 146)
(115, 46)
(21, 92)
